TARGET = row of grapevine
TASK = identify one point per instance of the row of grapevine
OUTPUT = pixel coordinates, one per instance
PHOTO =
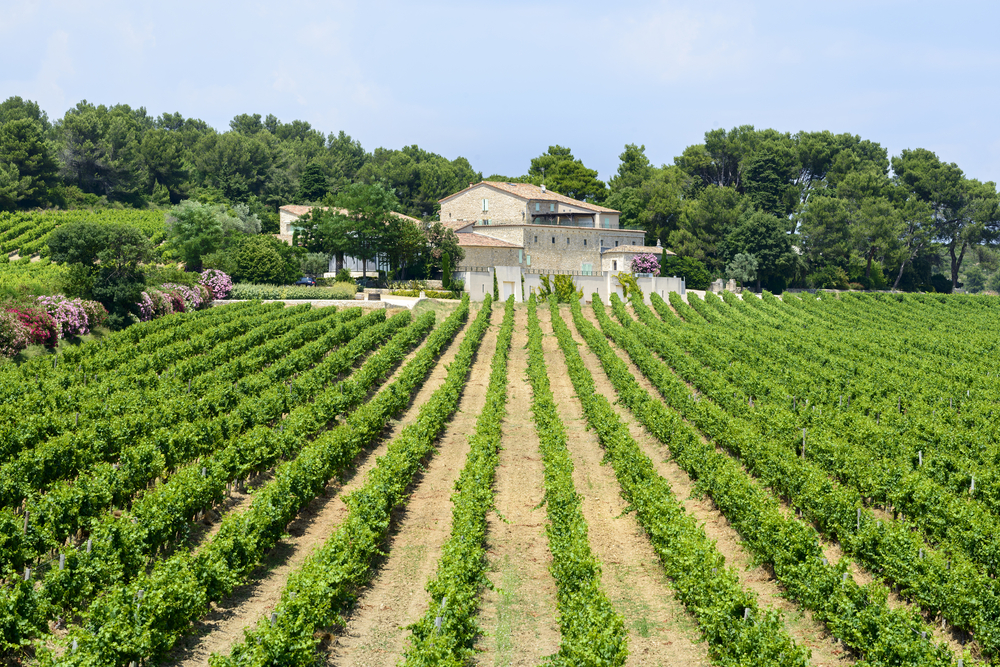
(121, 626)
(109, 363)
(837, 511)
(936, 578)
(72, 505)
(27, 232)
(858, 616)
(446, 633)
(76, 413)
(120, 546)
(593, 633)
(738, 631)
(324, 588)
(127, 417)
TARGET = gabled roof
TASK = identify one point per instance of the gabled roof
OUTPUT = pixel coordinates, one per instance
(457, 226)
(481, 240)
(528, 191)
(299, 210)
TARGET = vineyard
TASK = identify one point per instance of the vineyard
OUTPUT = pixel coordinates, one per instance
(27, 233)
(805, 480)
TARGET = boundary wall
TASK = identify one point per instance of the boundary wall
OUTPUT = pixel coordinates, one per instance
(515, 280)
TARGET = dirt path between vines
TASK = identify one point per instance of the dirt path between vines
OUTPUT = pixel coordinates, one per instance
(223, 626)
(376, 632)
(799, 622)
(660, 631)
(518, 616)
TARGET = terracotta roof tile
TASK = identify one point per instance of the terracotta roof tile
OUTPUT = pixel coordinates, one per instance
(528, 191)
(480, 240)
(300, 210)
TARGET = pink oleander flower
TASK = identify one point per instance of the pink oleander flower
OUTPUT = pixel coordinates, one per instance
(217, 282)
(646, 263)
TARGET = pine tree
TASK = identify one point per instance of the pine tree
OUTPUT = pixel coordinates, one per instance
(312, 184)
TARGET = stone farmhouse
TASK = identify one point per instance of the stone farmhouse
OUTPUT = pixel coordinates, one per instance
(541, 231)
(521, 231)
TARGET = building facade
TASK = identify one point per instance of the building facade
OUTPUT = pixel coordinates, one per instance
(549, 231)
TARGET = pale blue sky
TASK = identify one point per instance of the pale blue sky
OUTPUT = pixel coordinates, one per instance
(499, 82)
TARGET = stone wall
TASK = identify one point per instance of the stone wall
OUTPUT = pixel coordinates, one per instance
(489, 256)
(503, 207)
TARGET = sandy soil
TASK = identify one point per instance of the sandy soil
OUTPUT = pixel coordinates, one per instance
(660, 630)
(376, 632)
(799, 623)
(518, 616)
(223, 626)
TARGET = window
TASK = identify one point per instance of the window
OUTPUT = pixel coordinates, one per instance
(520, 256)
(553, 239)
(486, 205)
(585, 243)
(552, 208)
(567, 240)
(536, 239)
(614, 265)
(616, 244)
(633, 242)
(538, 207)
(587, 269)
(607, 222)
(529, 260)
(602, 243)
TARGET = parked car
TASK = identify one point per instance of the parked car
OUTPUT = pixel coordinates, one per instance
(306, 280)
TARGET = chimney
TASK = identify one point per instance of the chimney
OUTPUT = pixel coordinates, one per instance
(543, 187)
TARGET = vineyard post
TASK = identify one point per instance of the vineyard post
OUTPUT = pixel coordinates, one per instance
(920, 457)
(90, 545)
(62, 561)
(859, 519)
(803, 443)
(972, 486)
(274, 618)
(746, 613)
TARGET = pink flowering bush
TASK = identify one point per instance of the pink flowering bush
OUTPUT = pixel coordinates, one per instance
(13, 334)
(191, 296)
(217, 282)
(42, 327)
(97, 314)
(162, 303)
(646, 263)
(146, 307)
(69, 314)
(172, 298)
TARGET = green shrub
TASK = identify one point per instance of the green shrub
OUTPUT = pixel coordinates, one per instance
(941, 283)
(341, 290)
(829, 277)
(561, 285)
(344, 276)
(695, 274)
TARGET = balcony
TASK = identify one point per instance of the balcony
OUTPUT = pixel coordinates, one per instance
(563, 219)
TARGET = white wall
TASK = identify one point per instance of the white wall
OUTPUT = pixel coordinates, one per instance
(480, 283)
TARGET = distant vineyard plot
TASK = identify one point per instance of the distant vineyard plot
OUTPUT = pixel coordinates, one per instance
(807, 480)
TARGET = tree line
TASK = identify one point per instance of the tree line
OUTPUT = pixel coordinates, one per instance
(779, 209)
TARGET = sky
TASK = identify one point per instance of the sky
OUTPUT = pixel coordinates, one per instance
(499, 82)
